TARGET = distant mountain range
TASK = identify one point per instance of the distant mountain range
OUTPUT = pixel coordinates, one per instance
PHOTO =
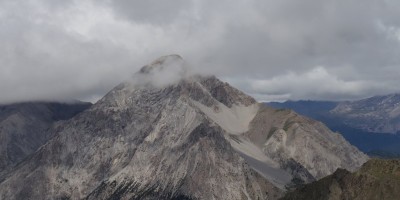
(371, 124)
(24, 127)
(186, 137)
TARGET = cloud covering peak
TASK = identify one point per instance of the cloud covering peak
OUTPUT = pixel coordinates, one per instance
(162, 72)
(81, 49)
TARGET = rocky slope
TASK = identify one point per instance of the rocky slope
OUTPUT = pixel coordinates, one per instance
(24, 127)
(284, 136)
(184, 137)
(377, 179)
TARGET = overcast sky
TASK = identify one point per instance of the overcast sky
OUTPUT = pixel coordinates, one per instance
(273, 50)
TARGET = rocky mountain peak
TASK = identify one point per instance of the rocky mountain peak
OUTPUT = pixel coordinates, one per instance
(170, 73)
(169, 134)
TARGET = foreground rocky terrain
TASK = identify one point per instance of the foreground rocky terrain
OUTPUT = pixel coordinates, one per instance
(187, 137)
(377, 179)
(24, 127)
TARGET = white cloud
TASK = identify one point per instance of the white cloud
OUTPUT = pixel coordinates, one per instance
(307, 85)
(81, 49)
(164, 71)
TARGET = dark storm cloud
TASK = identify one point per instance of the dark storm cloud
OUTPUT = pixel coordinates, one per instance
(307, 49)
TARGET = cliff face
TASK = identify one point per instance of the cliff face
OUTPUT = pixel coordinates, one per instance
(185, 137)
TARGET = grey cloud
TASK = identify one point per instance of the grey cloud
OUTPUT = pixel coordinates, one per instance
(151, 11)
(40, 61)
(270, 49)
(164, 71)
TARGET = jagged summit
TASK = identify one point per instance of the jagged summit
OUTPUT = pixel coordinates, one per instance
(172, 72)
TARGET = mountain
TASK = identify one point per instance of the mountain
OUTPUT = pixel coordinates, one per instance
(24, 127)
(169, 134)
(377, 179)
(378, 114)
(352, 120)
